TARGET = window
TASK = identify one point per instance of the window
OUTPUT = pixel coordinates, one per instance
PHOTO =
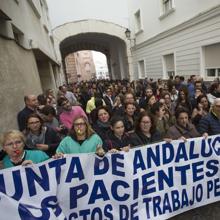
(141, 69)
(211, 60)
(138, 22)
(18, 35)
(35, 8)
(166, 8)
(170, 73)
(168, 65)
(167, 5)
(213, 72)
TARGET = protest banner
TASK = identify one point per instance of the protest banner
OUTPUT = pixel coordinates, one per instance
(156, 181)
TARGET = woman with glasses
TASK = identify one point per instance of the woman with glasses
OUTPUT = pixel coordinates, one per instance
(81, 139)
(13, 143)
(39, 136)
(145, 131)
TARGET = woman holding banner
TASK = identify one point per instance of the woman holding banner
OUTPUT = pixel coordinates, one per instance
(145, 131)
(183, 128)
(13, 143)
(81, 139)
(117, 139)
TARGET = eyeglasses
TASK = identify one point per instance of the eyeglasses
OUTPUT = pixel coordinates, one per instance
(145, 122)
(79, 124)
(33, 122)
(11, 144)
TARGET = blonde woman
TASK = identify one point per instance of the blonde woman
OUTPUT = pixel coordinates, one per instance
(13, 143)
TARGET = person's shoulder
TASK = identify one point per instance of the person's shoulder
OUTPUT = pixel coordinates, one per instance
(67, 138)
(77, 107)
(5, 159)
(173, 128)
(30, 152)
(94, 135)
(69, 93)
(132, 135)
(36, 153)
(157, 133)
(49, 130)
(209, 116)
(24, 111)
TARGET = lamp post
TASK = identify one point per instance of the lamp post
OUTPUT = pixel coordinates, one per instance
(128, 36)
(129, 52)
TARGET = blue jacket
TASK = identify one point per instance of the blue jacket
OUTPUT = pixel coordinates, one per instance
(209, 124)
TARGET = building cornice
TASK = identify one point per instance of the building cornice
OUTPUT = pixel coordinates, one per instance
(201, 17)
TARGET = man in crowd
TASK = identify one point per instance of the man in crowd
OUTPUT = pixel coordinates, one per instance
(108, 98)
(69, 95)
(31, 104)
(68, 112)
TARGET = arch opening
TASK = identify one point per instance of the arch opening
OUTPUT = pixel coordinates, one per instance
(113, 47)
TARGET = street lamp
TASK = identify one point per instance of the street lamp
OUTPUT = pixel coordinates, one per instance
(128, 36)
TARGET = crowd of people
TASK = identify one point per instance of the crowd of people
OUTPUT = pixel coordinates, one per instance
(111, 116)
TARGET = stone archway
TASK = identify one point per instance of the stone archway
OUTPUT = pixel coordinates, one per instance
(101, 36)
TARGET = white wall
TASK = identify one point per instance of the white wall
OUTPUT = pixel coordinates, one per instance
(186, 44)
(31, 18)
(150, 13)
(115, 11)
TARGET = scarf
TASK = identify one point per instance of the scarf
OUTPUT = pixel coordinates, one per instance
(33, 139)
(103, 124)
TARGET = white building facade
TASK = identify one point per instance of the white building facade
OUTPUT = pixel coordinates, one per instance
(175, 37)
(28, 63)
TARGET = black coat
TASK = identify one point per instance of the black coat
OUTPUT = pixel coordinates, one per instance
(129, 126)
(102, 131)
(138, 138)
(22, 116)
(209, 124)
(108, 102)
(113, 142)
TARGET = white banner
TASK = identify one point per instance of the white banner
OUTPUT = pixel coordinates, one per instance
(157, 181)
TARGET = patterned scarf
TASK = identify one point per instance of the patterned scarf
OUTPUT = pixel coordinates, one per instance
(33, 139)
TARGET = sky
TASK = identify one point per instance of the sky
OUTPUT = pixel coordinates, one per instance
(62, 11)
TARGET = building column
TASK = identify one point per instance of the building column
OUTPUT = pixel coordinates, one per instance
(130, 60)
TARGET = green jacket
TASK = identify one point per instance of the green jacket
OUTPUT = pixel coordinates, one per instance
(36, 156)
(69, 146)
